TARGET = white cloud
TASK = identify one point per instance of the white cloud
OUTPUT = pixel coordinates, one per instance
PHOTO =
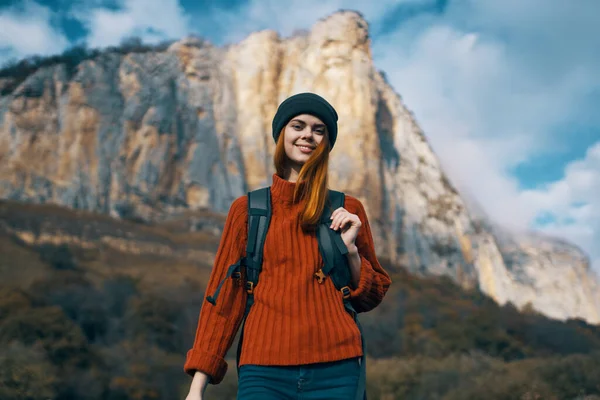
(151, 20)
(491, 93)
(287, 16)
(26, 30)
(576, 201)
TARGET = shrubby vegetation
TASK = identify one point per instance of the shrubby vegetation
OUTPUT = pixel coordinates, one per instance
(67, 336)
(475, 376)
(16, 71)
(434, 317)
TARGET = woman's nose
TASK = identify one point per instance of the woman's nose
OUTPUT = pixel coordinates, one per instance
(307, 132)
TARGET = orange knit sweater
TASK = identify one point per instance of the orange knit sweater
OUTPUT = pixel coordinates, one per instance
(294, 320)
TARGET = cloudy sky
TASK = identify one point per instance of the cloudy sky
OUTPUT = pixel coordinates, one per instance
(507, 91)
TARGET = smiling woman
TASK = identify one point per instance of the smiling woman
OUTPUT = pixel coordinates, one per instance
(316, 258)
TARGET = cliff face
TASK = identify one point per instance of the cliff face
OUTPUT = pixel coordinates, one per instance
(155, 134)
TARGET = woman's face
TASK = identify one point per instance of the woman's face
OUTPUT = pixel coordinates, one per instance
(303, 130)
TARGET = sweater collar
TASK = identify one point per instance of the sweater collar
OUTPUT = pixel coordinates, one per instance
(282, 189)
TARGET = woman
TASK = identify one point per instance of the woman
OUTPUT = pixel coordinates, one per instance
(298, 338)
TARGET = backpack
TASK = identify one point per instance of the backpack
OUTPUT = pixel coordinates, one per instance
(331, 247)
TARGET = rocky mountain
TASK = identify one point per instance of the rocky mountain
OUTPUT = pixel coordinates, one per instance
(152, 135)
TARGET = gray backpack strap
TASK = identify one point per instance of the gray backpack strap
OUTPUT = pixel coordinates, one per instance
(332, 247)
(259, 218)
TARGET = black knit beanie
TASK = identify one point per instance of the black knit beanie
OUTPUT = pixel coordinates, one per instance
(306, 103)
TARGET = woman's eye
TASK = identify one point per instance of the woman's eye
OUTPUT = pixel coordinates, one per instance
(297, 127)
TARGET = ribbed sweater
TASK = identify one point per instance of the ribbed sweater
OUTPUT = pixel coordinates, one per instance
(294, 319)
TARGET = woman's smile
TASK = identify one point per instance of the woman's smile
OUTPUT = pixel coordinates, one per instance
(305, 149)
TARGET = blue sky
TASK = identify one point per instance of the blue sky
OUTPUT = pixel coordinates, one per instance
(507, 91)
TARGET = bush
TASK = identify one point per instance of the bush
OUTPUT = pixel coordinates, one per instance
(572, 376)
(63, 341)
(78, 299)
(25, 373)
(12, 301)
(59, 257)
(153, 319)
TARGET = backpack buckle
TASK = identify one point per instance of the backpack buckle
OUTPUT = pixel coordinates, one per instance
(237, 276)
(345, 292)
(249, 287)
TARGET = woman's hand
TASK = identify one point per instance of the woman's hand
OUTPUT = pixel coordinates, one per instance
(348, 223)
(194, 396)
(198, 386)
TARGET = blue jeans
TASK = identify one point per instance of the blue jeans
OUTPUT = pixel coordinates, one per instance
(326, 381)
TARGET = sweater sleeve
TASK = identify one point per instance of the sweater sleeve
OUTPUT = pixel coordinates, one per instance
(218, 324)
(374, 281)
